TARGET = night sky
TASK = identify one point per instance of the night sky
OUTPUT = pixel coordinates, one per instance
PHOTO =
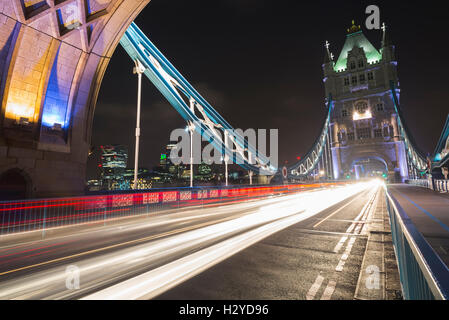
(258, 63)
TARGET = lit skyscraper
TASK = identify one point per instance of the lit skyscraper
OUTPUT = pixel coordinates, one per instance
(113, 162)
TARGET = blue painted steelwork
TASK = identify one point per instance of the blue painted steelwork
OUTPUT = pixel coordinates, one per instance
(415, 157)
(422, 273)
(175, 88)
(305, 166)
(439, 159)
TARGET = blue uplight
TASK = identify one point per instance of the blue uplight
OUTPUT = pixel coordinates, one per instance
(56, 100)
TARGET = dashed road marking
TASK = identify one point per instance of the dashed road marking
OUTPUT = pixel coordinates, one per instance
(314, 288)
(345, 255)
(327, 294)
(356, 227)
(337, 211)
(340, 244)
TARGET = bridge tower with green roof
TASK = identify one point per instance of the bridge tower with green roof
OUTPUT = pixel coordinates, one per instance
(364, 135)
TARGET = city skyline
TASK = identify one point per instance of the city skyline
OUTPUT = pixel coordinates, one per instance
(288, 151)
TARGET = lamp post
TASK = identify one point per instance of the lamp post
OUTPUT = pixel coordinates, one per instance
(139, 69)
(191, 129)
(226, 159)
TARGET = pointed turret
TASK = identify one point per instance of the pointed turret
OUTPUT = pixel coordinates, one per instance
(327, 59)
(328, 63)
(386, 42)
(328, 56)
(388, 53)
(356, 39)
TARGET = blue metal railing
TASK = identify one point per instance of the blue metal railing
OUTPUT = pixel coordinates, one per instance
(419, 183)
(423, 275)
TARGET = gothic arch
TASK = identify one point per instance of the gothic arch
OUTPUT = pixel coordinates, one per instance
(15, 184)
(53, 56)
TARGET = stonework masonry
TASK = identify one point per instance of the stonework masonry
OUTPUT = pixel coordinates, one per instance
(363, 120)
(53, 55)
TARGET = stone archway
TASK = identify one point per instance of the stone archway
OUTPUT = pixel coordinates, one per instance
(14, 185)
(365, 166)
(53, 55)
(386, 155)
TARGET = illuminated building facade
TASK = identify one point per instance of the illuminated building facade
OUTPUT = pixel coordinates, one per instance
(169, 167)
(364, 130)
(113, 162)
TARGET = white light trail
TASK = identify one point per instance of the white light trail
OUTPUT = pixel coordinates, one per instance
(172, 256)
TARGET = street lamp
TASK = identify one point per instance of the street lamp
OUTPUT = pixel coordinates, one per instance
(226, 158)
(139, 69)
(191, 129)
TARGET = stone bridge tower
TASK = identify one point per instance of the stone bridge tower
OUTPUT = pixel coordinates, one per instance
(53, 55)
(363, 129)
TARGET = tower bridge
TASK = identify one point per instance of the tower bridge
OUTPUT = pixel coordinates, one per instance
(364, 122)
(53, 55)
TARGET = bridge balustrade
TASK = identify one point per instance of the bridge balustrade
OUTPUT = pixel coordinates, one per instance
(438, 185)
(423, 275)
(442, 185)
(419, 183)
(42, 214)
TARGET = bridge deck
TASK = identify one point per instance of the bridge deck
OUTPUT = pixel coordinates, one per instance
(429, 211)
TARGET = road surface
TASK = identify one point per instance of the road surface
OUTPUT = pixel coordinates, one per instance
(200, 253)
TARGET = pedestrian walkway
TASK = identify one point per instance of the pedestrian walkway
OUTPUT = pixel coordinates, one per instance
(379, 258)
(429, 212)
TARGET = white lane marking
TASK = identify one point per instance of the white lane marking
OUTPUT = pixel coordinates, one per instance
(156, 281)
(340, 244)
(314, 288)
(327, 294)
(335, 212)
(345, 255)
(351, 228)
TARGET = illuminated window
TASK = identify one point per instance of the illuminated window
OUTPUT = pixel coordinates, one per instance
(361, 107)
(362, 78)
(378, 133)
(364, 133)
(351, 136)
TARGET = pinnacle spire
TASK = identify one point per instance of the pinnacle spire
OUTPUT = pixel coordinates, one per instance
(386, 42)
(328, 57)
